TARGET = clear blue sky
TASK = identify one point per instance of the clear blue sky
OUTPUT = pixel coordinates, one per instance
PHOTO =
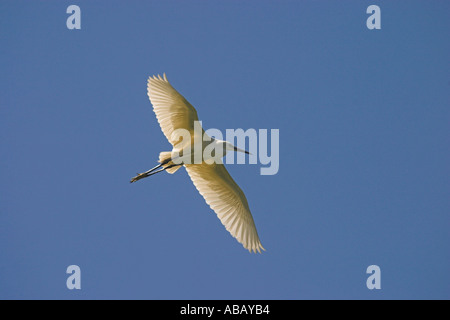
(364, 149)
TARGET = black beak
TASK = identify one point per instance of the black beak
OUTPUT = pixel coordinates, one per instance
(240, 150)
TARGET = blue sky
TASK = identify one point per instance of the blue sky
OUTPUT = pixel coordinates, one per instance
(364, 149)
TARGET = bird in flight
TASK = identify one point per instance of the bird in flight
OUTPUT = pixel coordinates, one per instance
(175, 114)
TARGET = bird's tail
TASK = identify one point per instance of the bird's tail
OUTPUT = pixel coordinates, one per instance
(165, 157)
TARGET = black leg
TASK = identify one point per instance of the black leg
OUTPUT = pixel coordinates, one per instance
(152, 171)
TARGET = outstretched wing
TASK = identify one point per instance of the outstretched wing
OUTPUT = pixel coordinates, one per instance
(228, 201)
(172, 110)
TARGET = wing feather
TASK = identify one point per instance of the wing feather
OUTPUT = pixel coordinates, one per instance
(172, 110)
(227, 200)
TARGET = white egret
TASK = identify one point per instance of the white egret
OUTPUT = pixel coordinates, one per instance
(213, 181)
